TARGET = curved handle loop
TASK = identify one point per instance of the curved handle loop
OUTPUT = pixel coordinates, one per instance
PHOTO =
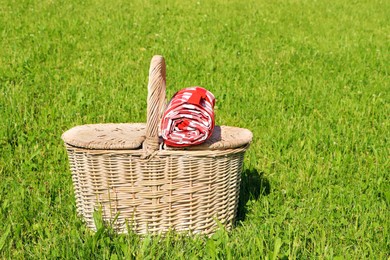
(155, 103)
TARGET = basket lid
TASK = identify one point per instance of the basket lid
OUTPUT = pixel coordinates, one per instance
(106, 136)
(223, 137)
(125, 136)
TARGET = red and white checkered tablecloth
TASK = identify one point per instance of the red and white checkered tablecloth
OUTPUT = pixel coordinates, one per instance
(189, 117)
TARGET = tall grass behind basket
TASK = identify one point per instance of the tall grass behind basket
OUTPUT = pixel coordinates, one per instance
(123, 169)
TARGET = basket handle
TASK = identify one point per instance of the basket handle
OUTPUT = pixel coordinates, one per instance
(155, 104)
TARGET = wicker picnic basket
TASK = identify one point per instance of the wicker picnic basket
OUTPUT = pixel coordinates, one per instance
(124, 171)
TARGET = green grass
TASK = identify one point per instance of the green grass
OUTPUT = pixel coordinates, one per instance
(310, 79)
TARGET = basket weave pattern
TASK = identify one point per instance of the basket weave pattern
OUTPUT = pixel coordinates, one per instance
(151, 190)
(169, 191)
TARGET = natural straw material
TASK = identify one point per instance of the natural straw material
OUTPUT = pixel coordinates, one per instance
(154, 189)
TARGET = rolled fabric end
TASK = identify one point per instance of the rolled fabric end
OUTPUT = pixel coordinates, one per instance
(189, 118)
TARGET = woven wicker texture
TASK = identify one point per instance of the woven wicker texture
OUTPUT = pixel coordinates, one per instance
(153, 190)
(223, 137)
(106, 136)
(169, 191)
(131, 136)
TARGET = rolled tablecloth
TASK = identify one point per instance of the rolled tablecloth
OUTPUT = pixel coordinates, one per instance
(189, 117)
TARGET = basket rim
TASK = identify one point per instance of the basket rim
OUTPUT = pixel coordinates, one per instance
(161, 152)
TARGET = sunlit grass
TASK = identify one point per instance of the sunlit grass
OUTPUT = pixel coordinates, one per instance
(310, 79)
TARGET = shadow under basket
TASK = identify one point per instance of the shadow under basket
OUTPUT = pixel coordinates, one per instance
(124, 170)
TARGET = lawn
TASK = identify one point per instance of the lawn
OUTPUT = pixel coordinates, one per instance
(310, 79)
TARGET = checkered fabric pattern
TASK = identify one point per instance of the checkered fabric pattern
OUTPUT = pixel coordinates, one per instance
(189, 117)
